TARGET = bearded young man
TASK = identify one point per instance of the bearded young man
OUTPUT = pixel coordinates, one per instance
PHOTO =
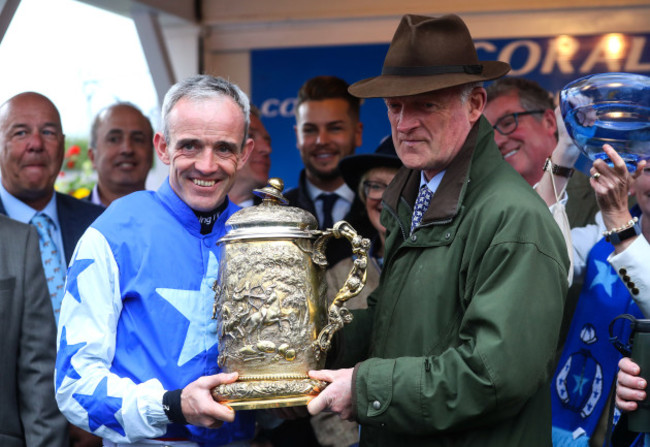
(327, 130)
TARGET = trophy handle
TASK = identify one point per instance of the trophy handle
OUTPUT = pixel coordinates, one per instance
(337, 315)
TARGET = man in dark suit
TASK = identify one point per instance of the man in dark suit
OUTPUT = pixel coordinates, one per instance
(327, 130)
(28, 411)
(31, 154)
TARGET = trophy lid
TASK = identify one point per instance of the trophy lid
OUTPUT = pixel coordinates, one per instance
(273, 218)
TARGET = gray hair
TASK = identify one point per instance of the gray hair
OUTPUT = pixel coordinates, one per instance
(204, 87)
(466, 90)
(532, 96)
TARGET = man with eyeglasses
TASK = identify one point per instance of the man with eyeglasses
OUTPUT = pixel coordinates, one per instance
(526, 131)
(522, 117)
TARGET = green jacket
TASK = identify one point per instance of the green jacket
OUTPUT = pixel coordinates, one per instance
(464, 324)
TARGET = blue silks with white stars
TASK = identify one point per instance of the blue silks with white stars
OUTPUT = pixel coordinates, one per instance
(101, 408)
(63, 365)
(75, 269)
(587, 368)
(137, 320)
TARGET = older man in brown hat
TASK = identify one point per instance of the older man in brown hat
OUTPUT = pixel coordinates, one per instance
(460, 335)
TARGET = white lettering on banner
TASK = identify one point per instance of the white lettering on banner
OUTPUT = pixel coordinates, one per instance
(553, 57)
(266, 106)
(534, 56)
(599, 54)
(272, 107)
(533, 60)
(486, 46)
(636, 50)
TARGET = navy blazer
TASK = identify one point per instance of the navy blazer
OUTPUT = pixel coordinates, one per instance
(337, 249)
(74, 217)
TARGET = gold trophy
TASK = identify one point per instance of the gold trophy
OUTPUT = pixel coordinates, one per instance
(273, 321)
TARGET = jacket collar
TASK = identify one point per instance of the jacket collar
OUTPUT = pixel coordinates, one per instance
(445, 203)
(184, 214)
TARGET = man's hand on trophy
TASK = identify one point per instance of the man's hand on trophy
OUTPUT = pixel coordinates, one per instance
(199, 408)
(337, 397)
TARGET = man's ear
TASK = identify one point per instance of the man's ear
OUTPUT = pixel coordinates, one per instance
(295, 129)
(91, 157)
(358, 134)
(245, 153)
(160, 145)
(550, 122)
(476, 103)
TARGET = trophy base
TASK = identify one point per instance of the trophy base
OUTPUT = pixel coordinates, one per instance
(251, 394)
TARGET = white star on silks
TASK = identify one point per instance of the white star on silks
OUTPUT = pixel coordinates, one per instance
(196, 306)
(604, 277)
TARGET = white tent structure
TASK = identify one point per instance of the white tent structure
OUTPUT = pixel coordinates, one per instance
(183, 37)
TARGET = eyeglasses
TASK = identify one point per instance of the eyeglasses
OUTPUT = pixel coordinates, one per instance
(509, 123)
(374, 190)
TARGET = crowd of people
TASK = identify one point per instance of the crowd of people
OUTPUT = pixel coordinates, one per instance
(494, 273)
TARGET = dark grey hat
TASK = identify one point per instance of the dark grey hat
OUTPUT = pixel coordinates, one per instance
(353, 167)
(427, 54)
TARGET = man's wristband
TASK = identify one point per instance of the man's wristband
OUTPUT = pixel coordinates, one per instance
(562, 171)
(171, 403)
(627, 231)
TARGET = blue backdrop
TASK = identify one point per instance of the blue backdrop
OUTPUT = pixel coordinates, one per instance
(276, 76)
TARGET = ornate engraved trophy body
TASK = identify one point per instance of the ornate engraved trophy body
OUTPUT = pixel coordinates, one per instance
(270, 302)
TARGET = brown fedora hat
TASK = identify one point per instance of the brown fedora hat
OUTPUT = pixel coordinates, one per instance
(427, 54)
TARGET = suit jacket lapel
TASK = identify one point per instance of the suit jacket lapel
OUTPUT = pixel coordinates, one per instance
(69, 230)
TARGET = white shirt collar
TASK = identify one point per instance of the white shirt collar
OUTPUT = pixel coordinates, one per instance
(94, 196)
(433, 183)
(20, 211)
(342, 191)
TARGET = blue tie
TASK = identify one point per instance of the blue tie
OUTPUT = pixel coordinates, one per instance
(421, 205)
(52, 264)
(328, 205)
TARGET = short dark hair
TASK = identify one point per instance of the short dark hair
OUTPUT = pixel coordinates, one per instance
(328, 87)
(255, 112)
(531, 95)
